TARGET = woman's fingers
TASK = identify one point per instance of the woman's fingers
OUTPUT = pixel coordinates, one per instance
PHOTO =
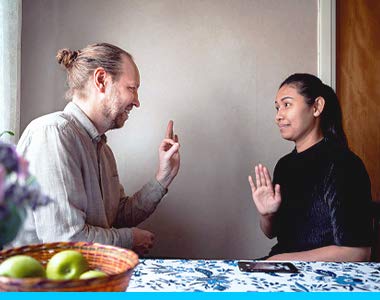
(257, 173)
(252, 184)
(268, 180)
(277, 192)
(261, 176)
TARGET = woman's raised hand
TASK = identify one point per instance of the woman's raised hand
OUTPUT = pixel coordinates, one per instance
(267, 199)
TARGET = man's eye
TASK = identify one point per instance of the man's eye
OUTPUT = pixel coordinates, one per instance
(287, 104)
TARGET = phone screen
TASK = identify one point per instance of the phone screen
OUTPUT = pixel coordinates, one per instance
(275, 267)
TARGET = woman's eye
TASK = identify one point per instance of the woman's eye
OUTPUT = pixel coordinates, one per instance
(287, 104)
(276, 108)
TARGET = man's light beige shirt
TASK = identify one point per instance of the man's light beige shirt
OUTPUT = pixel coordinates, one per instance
(77, 169)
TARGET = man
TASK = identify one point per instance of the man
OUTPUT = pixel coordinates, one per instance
(69, 155)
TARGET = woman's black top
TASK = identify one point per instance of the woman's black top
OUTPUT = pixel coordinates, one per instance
(326, 197)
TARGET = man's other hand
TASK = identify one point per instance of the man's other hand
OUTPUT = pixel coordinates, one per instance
(142, 240)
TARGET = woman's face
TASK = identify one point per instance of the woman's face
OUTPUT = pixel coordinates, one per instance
(296, 119)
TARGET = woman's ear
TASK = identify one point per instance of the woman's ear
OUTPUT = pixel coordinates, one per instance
(100, 80)
(319, 105)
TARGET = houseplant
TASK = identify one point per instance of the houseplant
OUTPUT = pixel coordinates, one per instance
(18, 190)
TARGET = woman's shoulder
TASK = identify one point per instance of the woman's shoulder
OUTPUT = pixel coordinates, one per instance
(344, 158)
(286, 158)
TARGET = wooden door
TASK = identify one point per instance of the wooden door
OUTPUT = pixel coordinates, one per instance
(358, 80)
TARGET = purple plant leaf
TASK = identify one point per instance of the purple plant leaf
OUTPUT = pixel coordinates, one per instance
(17, 187)
(9, 158)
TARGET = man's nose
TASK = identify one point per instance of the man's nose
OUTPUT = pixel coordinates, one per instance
(136, 101)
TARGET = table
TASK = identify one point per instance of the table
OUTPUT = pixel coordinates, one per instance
(180, 275)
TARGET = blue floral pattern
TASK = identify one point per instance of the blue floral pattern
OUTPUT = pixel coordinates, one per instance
(182, 275)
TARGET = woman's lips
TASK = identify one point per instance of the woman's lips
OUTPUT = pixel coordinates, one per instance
(283, 126)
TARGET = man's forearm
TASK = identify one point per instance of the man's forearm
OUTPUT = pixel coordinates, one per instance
(135, 209)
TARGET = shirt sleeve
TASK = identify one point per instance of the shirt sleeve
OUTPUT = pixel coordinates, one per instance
(348, 194)
(135, 209)
(55, 161)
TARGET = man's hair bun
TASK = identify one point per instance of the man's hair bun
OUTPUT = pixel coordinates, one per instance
(66, 57)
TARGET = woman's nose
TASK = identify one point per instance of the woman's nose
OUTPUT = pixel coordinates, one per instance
(279, 115)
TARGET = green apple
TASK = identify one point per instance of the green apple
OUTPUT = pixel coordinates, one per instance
(21, 266)
(92, 274)
(67, 264)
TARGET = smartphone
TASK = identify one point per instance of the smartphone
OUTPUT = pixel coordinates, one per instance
(261, 266)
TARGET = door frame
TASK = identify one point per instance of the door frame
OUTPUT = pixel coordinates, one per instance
(327, 42)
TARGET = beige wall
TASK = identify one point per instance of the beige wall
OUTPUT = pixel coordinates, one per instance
(214, 68)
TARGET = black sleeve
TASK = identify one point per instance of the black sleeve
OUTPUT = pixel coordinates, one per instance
(348, 194)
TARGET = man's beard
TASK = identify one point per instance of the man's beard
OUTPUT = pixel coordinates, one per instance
(118, 120)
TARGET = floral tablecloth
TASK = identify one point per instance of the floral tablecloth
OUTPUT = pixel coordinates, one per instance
(179, 275)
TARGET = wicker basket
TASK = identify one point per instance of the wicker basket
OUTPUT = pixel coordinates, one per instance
(117, 263)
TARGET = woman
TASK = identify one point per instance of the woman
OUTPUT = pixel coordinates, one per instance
(318, 204)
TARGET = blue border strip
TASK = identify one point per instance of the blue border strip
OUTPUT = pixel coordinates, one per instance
(190, 296)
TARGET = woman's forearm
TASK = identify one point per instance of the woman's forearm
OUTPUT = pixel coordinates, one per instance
(328, 253)
(267, 225)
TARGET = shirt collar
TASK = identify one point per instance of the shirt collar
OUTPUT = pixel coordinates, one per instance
(75, 111)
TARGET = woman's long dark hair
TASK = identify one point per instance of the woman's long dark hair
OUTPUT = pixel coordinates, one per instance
(311, 87)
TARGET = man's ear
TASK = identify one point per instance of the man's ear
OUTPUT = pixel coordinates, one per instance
(319, 105)
(100, 76)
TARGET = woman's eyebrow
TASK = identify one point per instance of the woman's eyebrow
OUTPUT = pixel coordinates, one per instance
(284, 98)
